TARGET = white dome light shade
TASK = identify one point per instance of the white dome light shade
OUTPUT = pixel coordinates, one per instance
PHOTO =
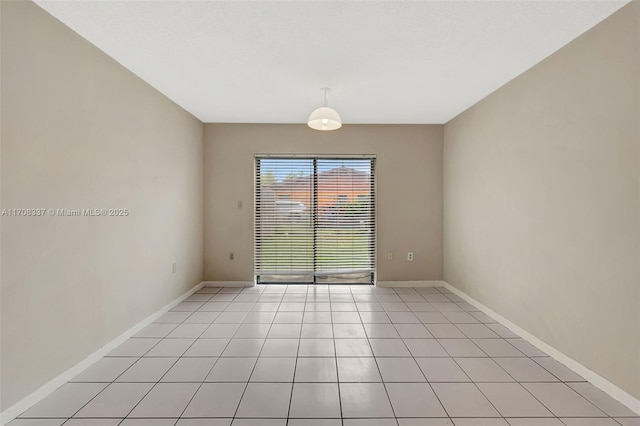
(324, 118)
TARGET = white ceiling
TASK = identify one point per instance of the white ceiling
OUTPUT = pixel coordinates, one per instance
(387, 62)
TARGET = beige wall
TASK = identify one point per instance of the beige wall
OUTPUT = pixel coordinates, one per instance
(541, 200)
(79, 131)
(409, 191)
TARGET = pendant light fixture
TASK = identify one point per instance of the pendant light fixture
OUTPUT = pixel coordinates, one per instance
(325, 118)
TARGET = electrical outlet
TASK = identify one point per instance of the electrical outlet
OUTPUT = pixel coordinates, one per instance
(390, 255)
(410, 256)
(231, 255)
(174, 268)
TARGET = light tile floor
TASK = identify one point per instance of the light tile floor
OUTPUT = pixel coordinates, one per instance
(326, 356)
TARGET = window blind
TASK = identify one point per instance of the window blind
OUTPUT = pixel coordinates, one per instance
(345, 221)
(315, 220)
(284, 220)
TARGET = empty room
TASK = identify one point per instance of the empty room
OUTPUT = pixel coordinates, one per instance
(319, 213)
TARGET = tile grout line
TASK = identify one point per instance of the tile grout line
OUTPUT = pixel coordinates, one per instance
(474, 384)
(532, 359)
(295, 367)
(204, 380)
(375, 359)
(335, 351)
(416, 362)
(554, 416)
(254, 365)
(237, 294)
(180, 356)
(112, 382)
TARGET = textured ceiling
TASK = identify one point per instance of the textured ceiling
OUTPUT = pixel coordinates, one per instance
(387, 62)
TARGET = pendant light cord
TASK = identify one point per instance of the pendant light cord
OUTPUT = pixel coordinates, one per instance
(325, 90)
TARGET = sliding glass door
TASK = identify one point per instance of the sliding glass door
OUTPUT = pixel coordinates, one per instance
(315, 220)
(284, 220)
(344, 226)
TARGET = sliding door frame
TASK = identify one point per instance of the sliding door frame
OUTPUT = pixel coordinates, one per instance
(314, 210)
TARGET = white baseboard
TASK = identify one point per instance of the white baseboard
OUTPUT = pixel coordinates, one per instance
(595, 379)
(435, 283)
(228, 283)
(45, 390)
